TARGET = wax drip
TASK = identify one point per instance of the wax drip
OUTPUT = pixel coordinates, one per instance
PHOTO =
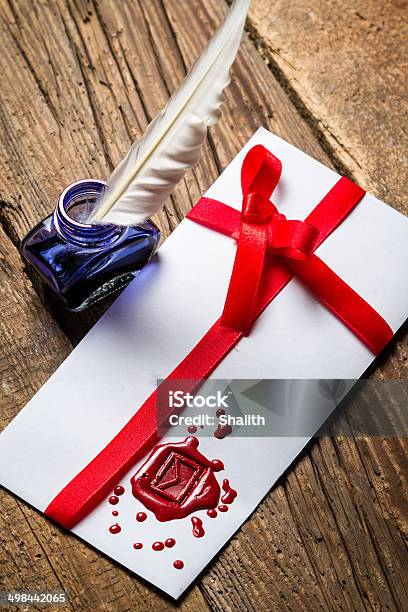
(170, 542)
(119, 490)
(115, 513)
(230, 493)
(222, 431)
(141, 516)
(158, 546)
(192, 429)
(198, 529)
(137, 545)
(212, 513)
(113, 500)
(178, 564)
(223, 508)
(115, 528)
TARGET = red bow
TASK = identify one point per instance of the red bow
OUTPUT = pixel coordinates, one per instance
(270, 251)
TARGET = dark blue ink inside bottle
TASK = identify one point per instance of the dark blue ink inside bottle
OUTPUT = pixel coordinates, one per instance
(83, 262)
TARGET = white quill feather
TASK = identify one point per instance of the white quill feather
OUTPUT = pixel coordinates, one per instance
(140, 185)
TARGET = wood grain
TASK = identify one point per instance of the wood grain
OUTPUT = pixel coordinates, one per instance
(80, 81)
(345, 65)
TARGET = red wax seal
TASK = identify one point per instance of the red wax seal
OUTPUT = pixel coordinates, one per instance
(177, 480)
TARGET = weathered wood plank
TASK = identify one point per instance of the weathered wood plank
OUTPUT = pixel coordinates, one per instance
(330, 536)
(345, 63)
(82, 80)
(76, 93)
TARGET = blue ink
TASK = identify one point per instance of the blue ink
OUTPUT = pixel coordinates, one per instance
(81, 262)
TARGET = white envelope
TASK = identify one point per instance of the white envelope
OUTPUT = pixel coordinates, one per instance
(156, 322)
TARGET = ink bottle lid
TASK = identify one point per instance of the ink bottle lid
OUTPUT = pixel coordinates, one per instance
(74, 206)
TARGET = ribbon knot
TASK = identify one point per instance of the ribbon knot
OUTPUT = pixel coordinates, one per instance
(257, 209)
(292, 239)
(263, 229)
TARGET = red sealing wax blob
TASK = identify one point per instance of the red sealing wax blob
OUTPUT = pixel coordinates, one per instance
(212, 513)
(198, 529)
(119, 490)
(137, 545)
(222, 431)
(170, 542)
(178, 564)
(113, 500)
(141, 516)
(192, 429)
(220, 412)
(115, 528)
(158, 546)
(230, 493)
(115, 513)
(177, 480)
(223, 508)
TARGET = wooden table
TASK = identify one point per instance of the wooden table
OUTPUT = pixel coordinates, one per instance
(79, 81)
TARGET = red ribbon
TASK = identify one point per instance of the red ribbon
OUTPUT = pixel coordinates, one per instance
(270, 251)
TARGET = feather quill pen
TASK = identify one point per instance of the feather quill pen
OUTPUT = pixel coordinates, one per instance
(140, 185)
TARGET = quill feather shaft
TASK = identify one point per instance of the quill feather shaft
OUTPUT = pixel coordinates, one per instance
(140, 185)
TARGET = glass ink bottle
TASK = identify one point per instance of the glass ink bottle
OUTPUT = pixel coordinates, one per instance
(81, 262)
